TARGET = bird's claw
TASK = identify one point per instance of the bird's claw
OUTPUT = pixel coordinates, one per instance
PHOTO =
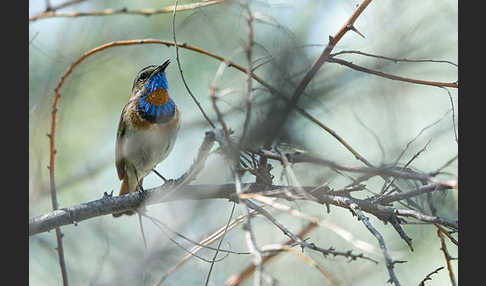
(106, 195)
(141, 192)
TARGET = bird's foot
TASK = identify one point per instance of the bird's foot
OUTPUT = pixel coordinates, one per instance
(141, 192)
(106, 195)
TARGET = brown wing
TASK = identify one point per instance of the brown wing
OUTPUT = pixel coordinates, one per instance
(119, 159)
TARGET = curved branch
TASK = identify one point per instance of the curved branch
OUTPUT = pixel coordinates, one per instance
(229, 63)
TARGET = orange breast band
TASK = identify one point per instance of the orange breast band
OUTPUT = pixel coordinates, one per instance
(158, 96)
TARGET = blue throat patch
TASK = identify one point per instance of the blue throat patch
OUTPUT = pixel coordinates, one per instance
(156, 113)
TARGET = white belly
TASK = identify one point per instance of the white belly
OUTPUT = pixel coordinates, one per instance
(144, 149)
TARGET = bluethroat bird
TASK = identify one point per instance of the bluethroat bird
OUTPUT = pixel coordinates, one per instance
(147, 131)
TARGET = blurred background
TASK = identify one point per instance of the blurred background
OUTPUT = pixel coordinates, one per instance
(377, 116)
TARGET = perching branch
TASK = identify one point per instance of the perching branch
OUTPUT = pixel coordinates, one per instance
(109, 204)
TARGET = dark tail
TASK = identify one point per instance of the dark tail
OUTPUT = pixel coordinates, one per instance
(124, 189)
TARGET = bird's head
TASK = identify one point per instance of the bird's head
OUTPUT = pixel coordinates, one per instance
(151, 92)
(151, 78)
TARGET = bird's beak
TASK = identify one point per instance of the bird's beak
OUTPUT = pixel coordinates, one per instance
(160, 68)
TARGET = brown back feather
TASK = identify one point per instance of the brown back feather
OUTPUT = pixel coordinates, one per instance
(119, 159)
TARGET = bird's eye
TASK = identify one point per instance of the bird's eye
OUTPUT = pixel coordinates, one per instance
(143, 75)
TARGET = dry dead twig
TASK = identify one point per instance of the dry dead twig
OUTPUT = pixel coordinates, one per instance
(51, 13)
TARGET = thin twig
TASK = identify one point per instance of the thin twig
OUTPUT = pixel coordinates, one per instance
(453, 113)
(425, 189)
(65, 4)
(445, 165)
(250, 236)
(159, 225)
(219, 244)
(444, 231)
(304, 244)
(180, 68)
(204, 243)
(363, 245)
(279, 247)
(418, 135)
(422, 283)
(212, 95)
(243, 275)
(197, 244)
(415, 156)
(292, 178)
(333, 41)
(447, 257)
(140, 223)
(248, 50)
(373, 133)
(393, 77)
(395, 60)
(53, 191)
(388, 260)
(124, 11)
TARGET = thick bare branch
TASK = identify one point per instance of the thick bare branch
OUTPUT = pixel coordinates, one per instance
(109, 204)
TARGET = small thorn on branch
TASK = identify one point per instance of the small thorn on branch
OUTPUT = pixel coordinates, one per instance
(398, 261)
(352, 28)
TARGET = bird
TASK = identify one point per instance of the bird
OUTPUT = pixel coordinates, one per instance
(147, 130)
